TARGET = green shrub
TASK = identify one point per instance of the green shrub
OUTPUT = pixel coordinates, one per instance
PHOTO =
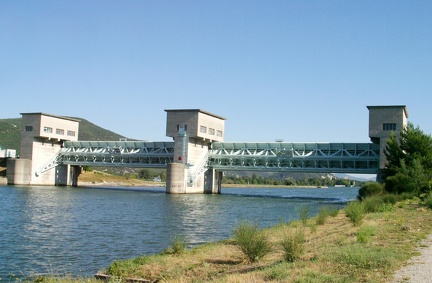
(401, 183)
(354, 211)
(304, 211)
(178, 245)
(293, 245)
(370, 189)
(324, 212)
(364, 234)
(428, 200)
(252, 241)
(333, 211)
(390, 198)
(382, 203)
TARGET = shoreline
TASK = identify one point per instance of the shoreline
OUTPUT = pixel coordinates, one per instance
(144, 183)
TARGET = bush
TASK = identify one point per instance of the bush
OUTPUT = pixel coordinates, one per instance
(252, 241)
(370, 189)
(304, 213)
(324, 212)
(355, 212)
(428, 200)
(293, 245)
(364, 234)
(400, 183)
(178, 245)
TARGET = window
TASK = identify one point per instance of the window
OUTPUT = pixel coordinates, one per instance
(218, 133)
(29, 128)
(203, 129)
(59, 131)
(389, 126)
(48, 130)
(211, 131)
(71, 133)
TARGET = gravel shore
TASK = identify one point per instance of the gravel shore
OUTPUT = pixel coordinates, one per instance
(419, 268)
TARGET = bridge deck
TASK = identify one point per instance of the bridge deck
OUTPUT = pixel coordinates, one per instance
(227, 156)
(300, 157)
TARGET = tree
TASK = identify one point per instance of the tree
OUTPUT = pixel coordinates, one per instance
(409, 162)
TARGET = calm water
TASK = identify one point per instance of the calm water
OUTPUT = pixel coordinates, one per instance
(80, 231)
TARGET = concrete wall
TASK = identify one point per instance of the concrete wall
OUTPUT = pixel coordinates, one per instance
(190, 149)
(18, 171)
(42, 136)
(196, 121)
(176, 179)
(379, 116)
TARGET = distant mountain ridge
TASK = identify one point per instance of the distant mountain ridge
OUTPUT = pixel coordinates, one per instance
(10, 133)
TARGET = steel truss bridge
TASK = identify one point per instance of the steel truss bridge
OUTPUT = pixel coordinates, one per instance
(360, 158)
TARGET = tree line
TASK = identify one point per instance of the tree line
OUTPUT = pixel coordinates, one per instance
(255, 179)
(408, 169)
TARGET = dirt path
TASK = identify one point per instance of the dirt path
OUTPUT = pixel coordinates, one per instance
(418, 268)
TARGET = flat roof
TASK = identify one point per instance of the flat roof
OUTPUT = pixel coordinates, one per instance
(390, 106)
(51, 115)
(195, 110)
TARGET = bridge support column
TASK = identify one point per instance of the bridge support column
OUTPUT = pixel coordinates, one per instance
(176, 179)
(212, 181)
(67, 175)
(19, 171)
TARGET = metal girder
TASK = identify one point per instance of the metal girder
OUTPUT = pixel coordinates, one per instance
(225, 156)
(299, 157)
(117, 153)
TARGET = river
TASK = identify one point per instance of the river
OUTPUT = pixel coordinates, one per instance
(79, 231)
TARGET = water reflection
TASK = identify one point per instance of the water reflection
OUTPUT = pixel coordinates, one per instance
(82, 230)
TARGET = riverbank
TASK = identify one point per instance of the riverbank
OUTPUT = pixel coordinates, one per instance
(336, 251)
(97, 178)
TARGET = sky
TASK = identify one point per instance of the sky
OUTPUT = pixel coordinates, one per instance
(300, 71)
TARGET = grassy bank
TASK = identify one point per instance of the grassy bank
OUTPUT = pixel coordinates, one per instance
(333, 249)
(96, 178)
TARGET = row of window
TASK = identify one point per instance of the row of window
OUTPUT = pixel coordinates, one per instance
(49, 130)
(211, 131)
(389, 127)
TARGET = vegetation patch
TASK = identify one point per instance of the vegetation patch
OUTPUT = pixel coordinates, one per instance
(252, 241)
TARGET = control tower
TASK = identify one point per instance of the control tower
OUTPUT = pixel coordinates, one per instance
(193, 131)
(42, 136)
(384, 120)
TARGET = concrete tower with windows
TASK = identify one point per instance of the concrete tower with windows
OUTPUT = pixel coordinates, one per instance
(384, 120)
(193, 131)
(42, 136)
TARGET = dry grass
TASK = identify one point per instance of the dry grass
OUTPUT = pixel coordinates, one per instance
(95, 178)
(332, 253)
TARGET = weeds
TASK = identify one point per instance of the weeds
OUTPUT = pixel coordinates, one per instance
(324, 212)
(365, 257)
(355, 212)
(428, 200)
(252, 241)
(293, 245)
(178, 245)
(382, 203)
(304, 212)
(365, 233)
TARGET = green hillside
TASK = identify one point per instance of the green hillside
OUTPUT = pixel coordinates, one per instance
(10, 133)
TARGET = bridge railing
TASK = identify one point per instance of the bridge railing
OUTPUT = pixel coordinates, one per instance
(117, 153)
(302, 157)
(226, 156)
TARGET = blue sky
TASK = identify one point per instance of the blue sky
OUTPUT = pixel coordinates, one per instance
(301, 71)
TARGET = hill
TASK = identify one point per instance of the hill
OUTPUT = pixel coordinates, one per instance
(10, 133)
